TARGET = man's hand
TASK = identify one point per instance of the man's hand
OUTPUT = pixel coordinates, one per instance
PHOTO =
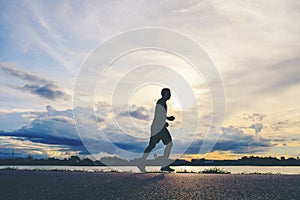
(171, 118)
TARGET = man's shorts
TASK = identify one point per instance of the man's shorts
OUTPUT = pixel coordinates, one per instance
(163, 135)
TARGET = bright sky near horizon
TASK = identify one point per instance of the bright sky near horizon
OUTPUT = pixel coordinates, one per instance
(254, 45)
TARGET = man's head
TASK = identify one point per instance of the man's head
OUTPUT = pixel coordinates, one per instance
(166, 93)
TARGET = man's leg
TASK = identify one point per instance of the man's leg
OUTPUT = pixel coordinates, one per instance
(167, 150)
(165, 161)
(148, 149)
(142, 162)
(167, 140)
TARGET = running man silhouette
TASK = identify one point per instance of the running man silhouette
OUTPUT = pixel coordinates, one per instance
(159, 132)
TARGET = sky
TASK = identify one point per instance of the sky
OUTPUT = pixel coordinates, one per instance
(45, 45)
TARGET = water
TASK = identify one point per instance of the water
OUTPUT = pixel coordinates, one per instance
(232, 169)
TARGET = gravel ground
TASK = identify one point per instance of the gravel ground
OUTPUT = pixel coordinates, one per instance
(56, 185)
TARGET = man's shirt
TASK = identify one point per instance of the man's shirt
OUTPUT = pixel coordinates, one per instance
(160, 116)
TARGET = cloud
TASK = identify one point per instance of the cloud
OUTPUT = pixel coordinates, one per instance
(47, 91)
(96, 118)
(50, 130)
(44, 88)
(46, 128)
(257, 127)
(281, 125)
(59, 131)
(254, 116)
(22, 75)
(57, 128)
(138, 112)
(235, 140)
(10, 121)
(21, 147)
(50, 109)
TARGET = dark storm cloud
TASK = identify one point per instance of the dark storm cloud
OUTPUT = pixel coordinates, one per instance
(52, 130)
(57, 128)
